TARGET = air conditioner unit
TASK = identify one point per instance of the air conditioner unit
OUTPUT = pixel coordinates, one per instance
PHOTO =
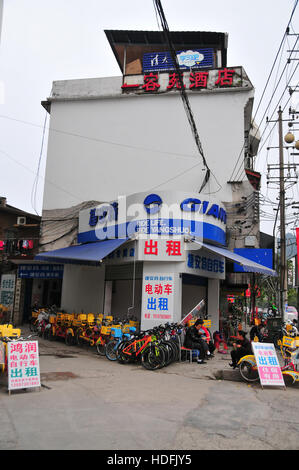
(21, 221)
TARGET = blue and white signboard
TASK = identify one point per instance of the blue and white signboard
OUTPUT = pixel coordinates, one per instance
(157, 298)
(40, 271)
(189, 59)
(167, 213)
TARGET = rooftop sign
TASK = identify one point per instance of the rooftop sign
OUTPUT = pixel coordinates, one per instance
(162, 61)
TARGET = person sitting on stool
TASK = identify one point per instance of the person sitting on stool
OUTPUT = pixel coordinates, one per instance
(194, 340)
(241, 348)
(205, 335)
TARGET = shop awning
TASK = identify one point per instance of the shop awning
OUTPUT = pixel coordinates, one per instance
(248, 265)
(89, 253)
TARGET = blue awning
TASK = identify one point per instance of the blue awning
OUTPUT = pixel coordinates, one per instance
(248, 265)
(89, 253)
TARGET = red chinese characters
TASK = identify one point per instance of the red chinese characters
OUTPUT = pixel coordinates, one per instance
(173, 248)
(225, 77)
(151, 82)
(174, 81)
(151, 247)
(199, 79)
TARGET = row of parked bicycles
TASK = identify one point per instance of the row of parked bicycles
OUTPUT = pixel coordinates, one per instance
(118, 340)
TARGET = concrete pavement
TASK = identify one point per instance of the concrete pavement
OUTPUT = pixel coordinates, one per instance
(88, 402)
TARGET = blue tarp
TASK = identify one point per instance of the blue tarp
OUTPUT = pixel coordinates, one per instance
(89, 253)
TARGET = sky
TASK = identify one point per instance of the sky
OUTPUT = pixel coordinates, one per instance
(47, 40)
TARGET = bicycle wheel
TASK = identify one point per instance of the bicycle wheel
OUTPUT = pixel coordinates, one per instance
(101, 347)
(32, 325)
(69, 339)
(51, 337)
(153, 358)
(248, 372)
(79, 340)
(122, 357)
(111, 350)
(171, 350)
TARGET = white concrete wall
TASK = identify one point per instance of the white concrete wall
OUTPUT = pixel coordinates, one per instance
(83, 289)
(103, 147)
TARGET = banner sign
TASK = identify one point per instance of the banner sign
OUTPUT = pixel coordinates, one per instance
(23, 364)
(162, 61)
(40, 271)
(162, 249)
(195, 311)
(7, 290)
(157, 297)
(268, 365)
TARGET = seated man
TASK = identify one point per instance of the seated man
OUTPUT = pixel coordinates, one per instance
(205, 335)
(194, 340)
(257, 330)
(241, 348)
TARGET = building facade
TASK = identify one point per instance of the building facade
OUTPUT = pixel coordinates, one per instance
(128, 138)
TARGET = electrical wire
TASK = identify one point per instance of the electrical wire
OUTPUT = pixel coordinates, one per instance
(160, 13)
(35, 183)
(267, 83)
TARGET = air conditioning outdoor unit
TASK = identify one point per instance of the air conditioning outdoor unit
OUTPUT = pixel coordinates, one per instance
(21, 221)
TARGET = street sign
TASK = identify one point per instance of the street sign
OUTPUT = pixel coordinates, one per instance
(23, 365)
(267, 364)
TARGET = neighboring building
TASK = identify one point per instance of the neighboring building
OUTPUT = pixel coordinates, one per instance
(19, 243)
(130, 136)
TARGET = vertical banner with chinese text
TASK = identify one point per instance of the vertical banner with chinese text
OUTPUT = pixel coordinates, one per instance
(267, 364)
(157, 297)
(23, 364)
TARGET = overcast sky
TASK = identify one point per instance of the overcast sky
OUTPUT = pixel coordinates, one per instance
(47, 40)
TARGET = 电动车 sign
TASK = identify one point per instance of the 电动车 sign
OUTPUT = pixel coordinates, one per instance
(267, 364)
(158, 294)
(23, 364)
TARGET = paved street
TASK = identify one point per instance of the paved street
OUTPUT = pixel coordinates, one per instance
(88, 402)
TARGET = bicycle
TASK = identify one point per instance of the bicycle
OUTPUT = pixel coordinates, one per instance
(118, 337)
(145, 347)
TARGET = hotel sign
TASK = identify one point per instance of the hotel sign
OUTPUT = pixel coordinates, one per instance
(195, 80)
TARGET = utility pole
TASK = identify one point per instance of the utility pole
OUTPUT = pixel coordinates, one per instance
(283, 261)
(281, 180)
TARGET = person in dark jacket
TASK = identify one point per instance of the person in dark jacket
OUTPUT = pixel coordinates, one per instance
(194, 340)
(257, 330)
(241, 348)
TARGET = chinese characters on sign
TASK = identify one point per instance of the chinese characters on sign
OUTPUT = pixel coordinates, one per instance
(267, 363)
(158, 292)
(197, 80)
(162, 61)
(205, 263)
(40, 271)
(7, 289)
(161, 250)
(23, 365)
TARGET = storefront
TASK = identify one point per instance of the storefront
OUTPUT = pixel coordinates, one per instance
(154, 256)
